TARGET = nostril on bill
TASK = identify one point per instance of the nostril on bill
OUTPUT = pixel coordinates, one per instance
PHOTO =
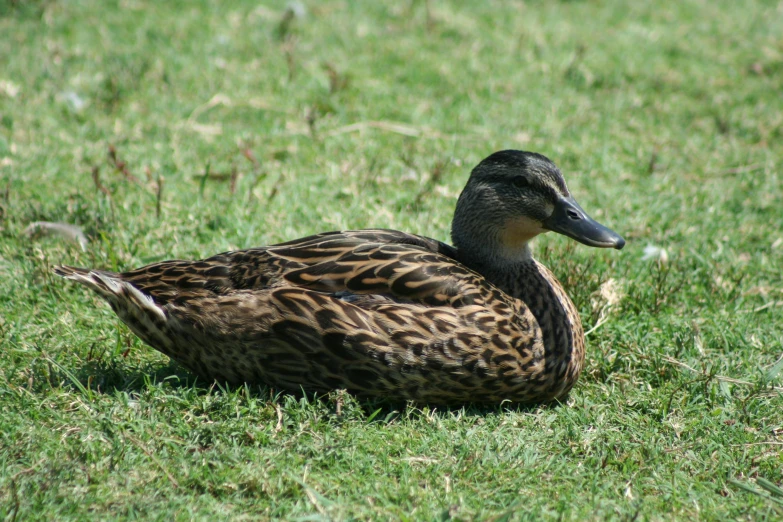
(573, 214)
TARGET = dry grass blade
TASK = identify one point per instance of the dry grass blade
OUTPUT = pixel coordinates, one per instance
(136, 442)
(158, 195)
(388, 126)
(279, 425)
(742, 169)
(762, 443)
(64, 230)
(763, 307)
(607, 298)
(672, 360)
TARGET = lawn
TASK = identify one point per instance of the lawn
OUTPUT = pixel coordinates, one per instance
(182, 129)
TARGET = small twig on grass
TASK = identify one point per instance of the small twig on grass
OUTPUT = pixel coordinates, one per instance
(121, 166)
(249, 156)
(741, 170)
(158, 195)
(155, 459)
(96, 179)
(29, 470)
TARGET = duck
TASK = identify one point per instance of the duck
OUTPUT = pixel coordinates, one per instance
(382, 313)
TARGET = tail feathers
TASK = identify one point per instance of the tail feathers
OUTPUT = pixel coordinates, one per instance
(111, 287)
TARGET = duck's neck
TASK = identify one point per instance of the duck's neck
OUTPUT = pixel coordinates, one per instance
(497, 247)
(561, 329)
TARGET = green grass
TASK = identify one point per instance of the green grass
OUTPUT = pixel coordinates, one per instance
(666, 120)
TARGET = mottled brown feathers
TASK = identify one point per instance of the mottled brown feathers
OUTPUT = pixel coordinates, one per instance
(376, 312)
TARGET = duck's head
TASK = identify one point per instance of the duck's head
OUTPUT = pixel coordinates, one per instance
(511, 197)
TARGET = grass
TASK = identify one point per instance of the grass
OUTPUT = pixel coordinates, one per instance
(246, 123)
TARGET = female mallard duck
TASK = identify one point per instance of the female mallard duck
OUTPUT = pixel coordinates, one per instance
(380, 312)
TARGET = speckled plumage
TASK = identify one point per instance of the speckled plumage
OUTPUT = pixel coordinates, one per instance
(377, 312)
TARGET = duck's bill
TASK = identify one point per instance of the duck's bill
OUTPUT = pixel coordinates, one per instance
(570, 220)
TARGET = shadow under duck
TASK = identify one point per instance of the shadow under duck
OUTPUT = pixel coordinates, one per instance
(380, 312)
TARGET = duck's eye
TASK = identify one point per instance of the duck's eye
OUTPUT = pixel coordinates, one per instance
(520, 182)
